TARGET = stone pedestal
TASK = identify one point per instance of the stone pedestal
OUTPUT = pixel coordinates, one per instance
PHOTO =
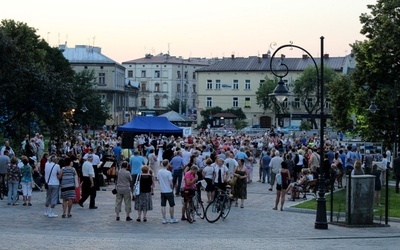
(362, 200)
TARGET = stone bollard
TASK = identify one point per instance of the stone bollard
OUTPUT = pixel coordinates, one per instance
(362, 200)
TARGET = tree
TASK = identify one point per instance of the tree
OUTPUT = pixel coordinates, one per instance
(34, 79)
(307, 87)
(339, 91)
(174, 105)
(207, 116)
(378, 70)
(264, 100)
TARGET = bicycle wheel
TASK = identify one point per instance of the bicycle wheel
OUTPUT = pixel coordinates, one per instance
(198, 207)
(190, 212)
(226, 207)
(213, 211)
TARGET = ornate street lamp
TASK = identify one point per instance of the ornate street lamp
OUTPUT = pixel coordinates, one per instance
(281, 93)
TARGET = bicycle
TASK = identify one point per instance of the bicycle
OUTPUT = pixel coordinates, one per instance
(220, 206)
(193, 203)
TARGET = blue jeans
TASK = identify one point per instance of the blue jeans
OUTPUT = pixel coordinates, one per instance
(12, 191)
(177, 176)
(266, 172)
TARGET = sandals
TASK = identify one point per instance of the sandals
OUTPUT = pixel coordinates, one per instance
(64, 215)
(69, 215)
(138, 220)
(144, 219)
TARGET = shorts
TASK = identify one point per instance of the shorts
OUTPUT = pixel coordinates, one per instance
(167, 197)
(281, 187)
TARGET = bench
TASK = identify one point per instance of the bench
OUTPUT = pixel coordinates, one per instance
(309, 188)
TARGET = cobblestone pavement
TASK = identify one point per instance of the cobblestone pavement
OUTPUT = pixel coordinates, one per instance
(256, 226)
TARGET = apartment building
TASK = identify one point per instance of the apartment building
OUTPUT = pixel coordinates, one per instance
(111, 84)
(233, 82)
(162, 79)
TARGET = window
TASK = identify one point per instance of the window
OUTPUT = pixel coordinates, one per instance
(178, 73)
(157, 87)
(143, 87)
(143, 102)
(296, 103)
(217, 84)
(235, 84)
(143, 74)
(247, 102)
(103, 98)
(247, 84)
(194, 88)
(185, 75)
(178, 88)
(209, 102)
(194, 103)
(157, 74)
(102, 78)
(235, 102)
(285, 103)
(157, 102)
(194, 75)
(130, 73)
(185, 88)
(309, 102)
(209, 84)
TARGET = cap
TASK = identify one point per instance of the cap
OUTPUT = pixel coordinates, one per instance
(33, 158)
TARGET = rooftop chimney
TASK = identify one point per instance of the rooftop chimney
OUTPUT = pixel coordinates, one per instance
(305, 56)
(265, 55)
(232, 56)
(326, 56)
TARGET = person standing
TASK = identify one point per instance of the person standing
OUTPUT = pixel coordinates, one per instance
(368, 159)
(275, 166)
(378, 185)
(136, 161)
(177, 171)
(220, 174)
(26, 181)
(143, 201)
(67, 175)
(4, 161)
(123, 191)
(13, 178)
(8, 148)
(164, 178)
(52, 171)
(396, 171)
(117, 150)
(88, 187)
(266, 170)
(282, 187)
(240, 189)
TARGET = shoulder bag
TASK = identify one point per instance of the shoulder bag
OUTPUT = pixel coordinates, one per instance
(136, 188)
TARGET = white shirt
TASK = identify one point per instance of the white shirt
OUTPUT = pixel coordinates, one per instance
(53, 178)
(275, 164)
(87, 169)
(165, 179)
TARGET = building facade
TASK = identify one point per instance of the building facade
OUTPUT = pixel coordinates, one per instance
(233, 82)
(111, 84)
(160, 79)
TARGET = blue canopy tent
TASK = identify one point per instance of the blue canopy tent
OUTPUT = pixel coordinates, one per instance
(154, 125)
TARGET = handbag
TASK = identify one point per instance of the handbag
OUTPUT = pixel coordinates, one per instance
(136, 187)
(233, 181)
(46, 184)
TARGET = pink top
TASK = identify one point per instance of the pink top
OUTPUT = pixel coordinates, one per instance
(188, 178)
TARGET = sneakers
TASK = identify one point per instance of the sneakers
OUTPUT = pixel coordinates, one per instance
(173, 220)
(164, 221)
(52, 215)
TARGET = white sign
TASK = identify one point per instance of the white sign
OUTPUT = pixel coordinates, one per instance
(187, 131)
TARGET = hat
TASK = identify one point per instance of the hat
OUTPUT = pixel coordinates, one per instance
(33, 158)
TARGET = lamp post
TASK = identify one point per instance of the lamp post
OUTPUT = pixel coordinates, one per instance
(281, 93)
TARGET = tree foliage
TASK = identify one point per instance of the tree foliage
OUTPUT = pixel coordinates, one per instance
(340, 94)
(174, 105)
(307, 86)
(38, 84)
(378, 70)
(264, 100)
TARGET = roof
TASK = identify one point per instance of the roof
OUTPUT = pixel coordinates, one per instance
(150, 124)
(165, 58)
(263, 64)
(85, 54)
(173, 116)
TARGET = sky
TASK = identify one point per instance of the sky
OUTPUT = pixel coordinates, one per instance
(129, 29)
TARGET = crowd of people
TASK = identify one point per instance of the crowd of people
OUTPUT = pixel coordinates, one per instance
(74, 170)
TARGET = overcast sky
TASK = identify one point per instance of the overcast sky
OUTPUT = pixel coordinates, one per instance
(128, 29)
